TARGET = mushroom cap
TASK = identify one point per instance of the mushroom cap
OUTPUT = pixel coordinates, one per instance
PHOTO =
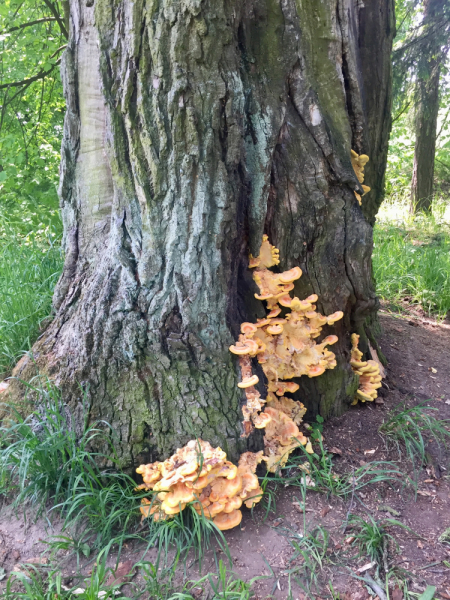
(309, 448)
(263, 296)
(226, 521)
(274, 329)
(254, 497)
(315, 370)
(285, 300)
(335, 317)
(248, 381)
(215, 508)
(246, 347)
(291, 275)
(248, 328)
(274, 312)
(180, 494)
(225, 488)
(330, 340)
(232, 504)
(261, 420)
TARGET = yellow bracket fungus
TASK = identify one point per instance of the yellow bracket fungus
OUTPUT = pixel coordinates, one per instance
(358, 164)
(200, 474)
(285, 348)
(369, 374)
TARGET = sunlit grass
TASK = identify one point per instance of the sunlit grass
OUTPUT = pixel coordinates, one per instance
(411, 257)
(29, 270)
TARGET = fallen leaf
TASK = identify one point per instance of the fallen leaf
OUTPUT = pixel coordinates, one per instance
(397, 594)
(370, 451)
(424, 493)
(335, 450)
(432, 369)
(277, 522)
(447, 402)
(3, 386)
(350, 539)
(399, 329)
(124, 571)
(366, 567)
(325, 511)
(428, 481)
(419, 544)
(36, 560)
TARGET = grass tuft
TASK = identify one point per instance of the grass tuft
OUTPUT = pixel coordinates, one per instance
(321, 476)
(29, 270)
(409, 430)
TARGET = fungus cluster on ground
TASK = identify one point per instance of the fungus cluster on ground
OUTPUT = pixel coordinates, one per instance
(285, 347)
(201, 475)
(369, 374)
(358, 164)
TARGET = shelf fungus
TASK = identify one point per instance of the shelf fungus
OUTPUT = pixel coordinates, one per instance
(285, 347)
(369, 374)
(358, 164)
(201, 475)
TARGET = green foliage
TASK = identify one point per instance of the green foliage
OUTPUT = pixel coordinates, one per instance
(411, 259)
(31, 114)
(49, 457)
(409, 430)
(371, 536)
(321, 476)
(29, 270)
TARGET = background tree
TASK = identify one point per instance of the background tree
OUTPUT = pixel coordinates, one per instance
(192, 128)
(421, 90)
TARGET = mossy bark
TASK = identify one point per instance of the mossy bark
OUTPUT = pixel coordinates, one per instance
(192, 128)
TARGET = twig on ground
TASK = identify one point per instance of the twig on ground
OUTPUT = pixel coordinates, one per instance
(374, 585)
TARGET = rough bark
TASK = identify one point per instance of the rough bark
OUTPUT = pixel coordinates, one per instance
(192, 128)
(427, 108)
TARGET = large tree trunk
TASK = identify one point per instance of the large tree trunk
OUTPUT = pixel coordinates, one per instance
(427, 108)
(192, 128)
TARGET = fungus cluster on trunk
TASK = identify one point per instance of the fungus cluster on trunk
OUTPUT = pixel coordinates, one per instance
(358, 164)
(201, 475)
(286, 348)
(369, 374)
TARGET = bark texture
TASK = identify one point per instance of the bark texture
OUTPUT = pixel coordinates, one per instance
(192, 128)
(427, 108)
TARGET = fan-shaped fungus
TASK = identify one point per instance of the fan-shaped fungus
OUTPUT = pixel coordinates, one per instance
(201, 475)
(285, 348)
(369, 374)
(358, 164)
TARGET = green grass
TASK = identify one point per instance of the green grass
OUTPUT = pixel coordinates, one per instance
(321, 476)
(409, 430)
(47, 460)
(29, 269)
(411, 259)
(158, 583)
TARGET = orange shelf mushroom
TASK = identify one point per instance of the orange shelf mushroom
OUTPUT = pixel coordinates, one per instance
(369, 374)
(285, 348)
(201, 475)
(358, 164)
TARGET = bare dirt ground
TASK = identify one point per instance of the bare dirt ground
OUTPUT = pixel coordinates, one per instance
(417, 350)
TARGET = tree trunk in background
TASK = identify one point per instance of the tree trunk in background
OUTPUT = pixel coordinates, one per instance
(427, 108)
(192, 128)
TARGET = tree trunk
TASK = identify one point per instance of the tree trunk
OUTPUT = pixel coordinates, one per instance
(192, 128)
(427, 108)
